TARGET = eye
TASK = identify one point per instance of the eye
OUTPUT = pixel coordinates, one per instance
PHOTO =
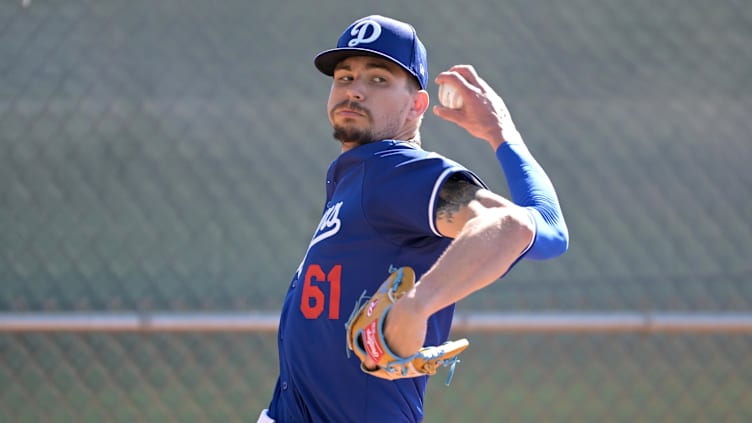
(342, 75)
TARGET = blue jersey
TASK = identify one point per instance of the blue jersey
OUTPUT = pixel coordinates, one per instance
(380, 211)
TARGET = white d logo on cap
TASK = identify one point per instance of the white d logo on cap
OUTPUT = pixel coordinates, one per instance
(361, 30)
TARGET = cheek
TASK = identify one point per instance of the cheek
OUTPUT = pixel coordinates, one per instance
(331, 102)
(336, 96)
(398, 110)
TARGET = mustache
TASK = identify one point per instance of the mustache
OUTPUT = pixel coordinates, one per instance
(351, 105)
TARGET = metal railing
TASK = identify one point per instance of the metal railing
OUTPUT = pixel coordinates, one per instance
(499, 322)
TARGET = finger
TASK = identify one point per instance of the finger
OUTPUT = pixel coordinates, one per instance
(454, 78)
(469, 73)
(451, 115)
(450, 77)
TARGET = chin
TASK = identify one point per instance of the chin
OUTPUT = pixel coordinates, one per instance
(352, 135)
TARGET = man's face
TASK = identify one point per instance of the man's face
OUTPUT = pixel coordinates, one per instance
(370, 100)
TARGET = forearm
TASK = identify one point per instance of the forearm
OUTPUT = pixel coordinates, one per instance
(484, 250)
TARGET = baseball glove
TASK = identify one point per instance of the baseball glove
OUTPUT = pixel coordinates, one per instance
(365, 335)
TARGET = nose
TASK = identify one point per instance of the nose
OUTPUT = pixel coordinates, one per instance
(355, 90)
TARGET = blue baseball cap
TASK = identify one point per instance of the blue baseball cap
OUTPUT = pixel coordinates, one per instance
(379, 36)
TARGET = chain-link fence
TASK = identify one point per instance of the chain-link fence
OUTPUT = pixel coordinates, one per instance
(169, 156)
(620, 378)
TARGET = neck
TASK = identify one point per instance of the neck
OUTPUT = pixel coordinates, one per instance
(349, 145)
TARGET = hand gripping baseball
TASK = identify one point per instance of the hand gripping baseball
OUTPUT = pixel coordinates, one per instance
(483, 113)
(365, 335)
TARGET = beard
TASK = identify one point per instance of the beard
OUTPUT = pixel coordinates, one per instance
(344, 133)
(360, 136)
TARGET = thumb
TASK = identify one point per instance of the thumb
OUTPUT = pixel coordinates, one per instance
(451, 115)
(369, 364)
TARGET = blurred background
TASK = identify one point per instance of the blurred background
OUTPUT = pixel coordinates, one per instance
(170, 155)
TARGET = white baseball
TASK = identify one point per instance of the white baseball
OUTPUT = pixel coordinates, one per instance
(449, 97)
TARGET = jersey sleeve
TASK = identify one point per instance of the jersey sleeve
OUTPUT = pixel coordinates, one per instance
(401, 192)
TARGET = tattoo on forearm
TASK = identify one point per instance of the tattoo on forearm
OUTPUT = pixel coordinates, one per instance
(456, 193)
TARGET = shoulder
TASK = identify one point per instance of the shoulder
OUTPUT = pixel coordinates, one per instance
(455, 195)
(409, 157)
(400, 150)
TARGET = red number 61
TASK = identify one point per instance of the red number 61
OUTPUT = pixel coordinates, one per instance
(313, 300)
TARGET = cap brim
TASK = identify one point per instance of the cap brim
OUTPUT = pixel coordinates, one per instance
(327, 60)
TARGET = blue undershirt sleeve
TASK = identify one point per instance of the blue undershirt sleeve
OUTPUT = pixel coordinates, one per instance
(531, 188)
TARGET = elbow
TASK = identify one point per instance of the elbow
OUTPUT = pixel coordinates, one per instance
(523, 232)
(559, 238)
(561, 242)
(551, 238)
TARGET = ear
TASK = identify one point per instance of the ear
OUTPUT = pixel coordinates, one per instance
(420, 103)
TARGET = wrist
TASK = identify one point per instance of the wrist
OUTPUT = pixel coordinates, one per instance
(511, 136)
(495, 141)
(421, 300)
(414, 303)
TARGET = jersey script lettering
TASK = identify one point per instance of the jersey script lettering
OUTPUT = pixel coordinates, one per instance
(328, 227)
